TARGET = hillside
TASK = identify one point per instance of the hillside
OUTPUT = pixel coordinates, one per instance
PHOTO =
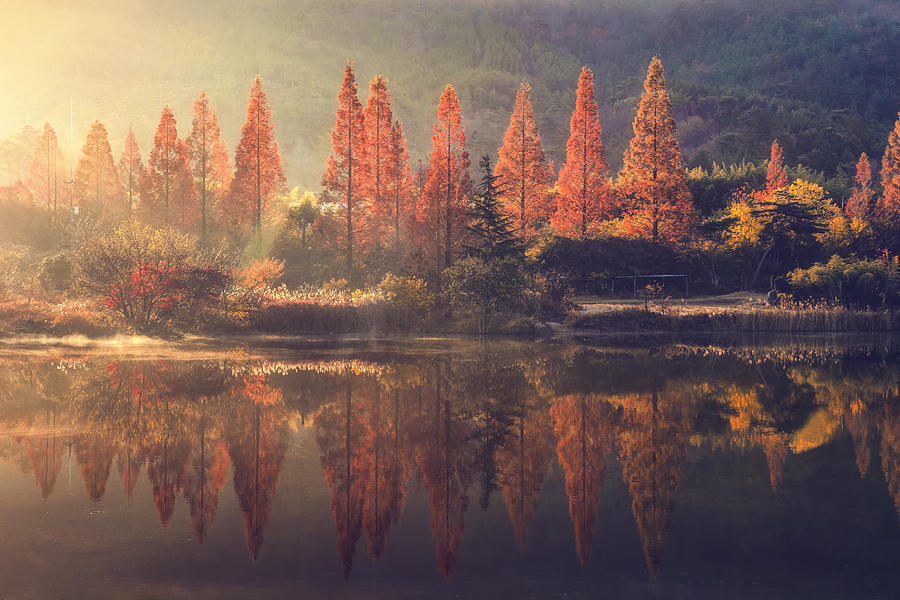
(822, 76)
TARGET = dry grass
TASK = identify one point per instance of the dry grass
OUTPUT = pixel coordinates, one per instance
(753, 315)
(19, 316)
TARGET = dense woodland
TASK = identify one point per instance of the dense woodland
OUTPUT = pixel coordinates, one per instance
(741, 175)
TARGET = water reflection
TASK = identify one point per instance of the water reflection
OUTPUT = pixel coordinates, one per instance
(468, 426)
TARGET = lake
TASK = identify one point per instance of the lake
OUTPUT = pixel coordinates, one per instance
(452, 468)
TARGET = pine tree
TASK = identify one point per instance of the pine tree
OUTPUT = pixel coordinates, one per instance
(377, 121)
(131, 170)
(345, 171)
(776, 176)
(583, 185)
(888, 205)
(656, 200)
(257, 164)
(168, 193)
(96, 180)
(521, 165)
(441, 211)
(43, 174)
(208, 158)
(860, 203)
(491, 227)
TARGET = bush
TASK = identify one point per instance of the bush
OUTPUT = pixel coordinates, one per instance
(55, 274)
(487, 287)
(853, 283)
(409, 294)
(152, 278)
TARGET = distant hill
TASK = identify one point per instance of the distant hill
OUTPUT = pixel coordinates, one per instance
(820, 75)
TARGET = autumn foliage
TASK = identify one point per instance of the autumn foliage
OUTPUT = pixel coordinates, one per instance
(656, 202)
(345, 171)
(524, 176)
(441, 211)
(257, 165)
(584, 190)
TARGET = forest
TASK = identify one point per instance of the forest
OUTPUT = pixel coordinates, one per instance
(559, 161)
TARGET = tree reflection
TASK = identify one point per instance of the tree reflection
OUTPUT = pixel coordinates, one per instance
(467, 422)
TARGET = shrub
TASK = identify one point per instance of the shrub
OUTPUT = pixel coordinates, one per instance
(407, 293)
(151, 278)
(853, 283)
(260, 274)
(55, 273)
(487, 287)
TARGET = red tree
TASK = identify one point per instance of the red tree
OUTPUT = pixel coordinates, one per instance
(888, 205)
(377, 120)
(583, 184)
(168, 195)
(208, 158)
(656, 200)
(46, 165)
(441, 211)
(96, 180)
(398, 206)
(345, 170)
(257, 165)
(860, 203)
(524, 175)
(776, 176)
(131, 170)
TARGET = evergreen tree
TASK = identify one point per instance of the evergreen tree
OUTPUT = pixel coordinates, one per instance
(653, 185)
(491, 227)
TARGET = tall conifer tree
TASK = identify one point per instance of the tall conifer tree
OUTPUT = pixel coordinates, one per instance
(96, 181)
(398, 189)
(491, 227)
(888, 206)
(168, 193)
(860, 203)
(656, 200)
(377, 120)
(257, 164)
(776, 176)
(345, 171)
(131, 170)
(441, 212)
(208, 158)
(521, 166)
(583, 184)
(46, 165)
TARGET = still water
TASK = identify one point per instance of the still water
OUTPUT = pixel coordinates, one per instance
(433, 469)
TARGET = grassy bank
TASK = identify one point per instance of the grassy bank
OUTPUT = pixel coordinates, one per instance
(752, 318)
(378, 316)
